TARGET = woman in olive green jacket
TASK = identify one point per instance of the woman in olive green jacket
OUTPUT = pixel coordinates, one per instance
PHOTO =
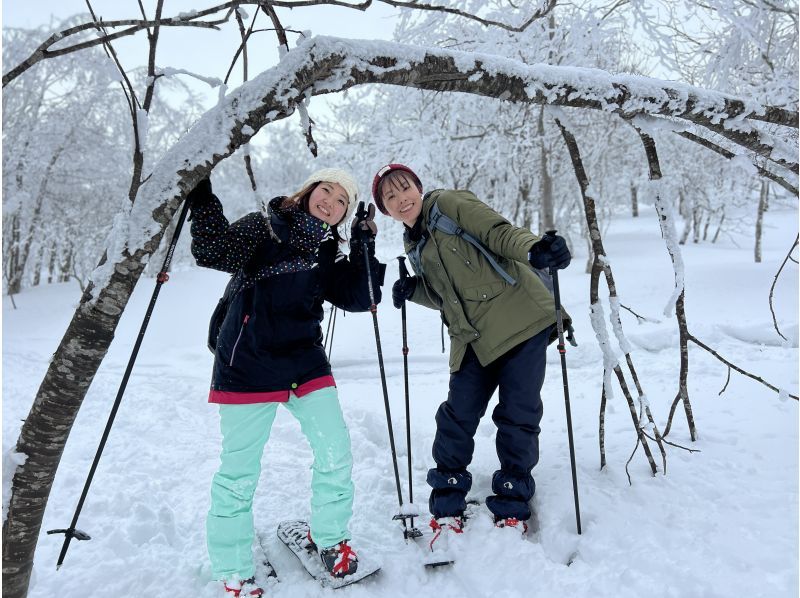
(500, 318)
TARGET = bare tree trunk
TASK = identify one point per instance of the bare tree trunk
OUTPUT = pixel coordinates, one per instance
(683, 386)
(686, 213)
(155, 262)
(15, 277)
(697, 218)
(634, 201)
(763, 199)
(524, 207)
(11, 251)
(51, 264)
(602, 428)
(706, 225)
(68, 265)
(48, 424)
(719, 226)
(546, 211)
(73, 366)
(38, 265)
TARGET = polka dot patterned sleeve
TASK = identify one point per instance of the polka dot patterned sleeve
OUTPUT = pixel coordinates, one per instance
(222, 246)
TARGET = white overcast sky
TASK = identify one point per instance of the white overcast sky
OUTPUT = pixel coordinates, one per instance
(206, 51)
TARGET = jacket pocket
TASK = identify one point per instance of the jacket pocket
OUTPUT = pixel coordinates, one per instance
(215, 324)
(238, 338)
(483, 292)
(463, 253)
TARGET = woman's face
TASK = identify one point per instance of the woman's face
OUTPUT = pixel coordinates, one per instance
(402, 200)
(328, 202)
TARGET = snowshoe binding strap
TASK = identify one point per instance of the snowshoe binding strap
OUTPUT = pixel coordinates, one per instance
(340, 560)
(454, 524)
(346, 554)
(248, 586)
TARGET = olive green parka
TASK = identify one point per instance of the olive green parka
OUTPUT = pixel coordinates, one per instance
(478, 306)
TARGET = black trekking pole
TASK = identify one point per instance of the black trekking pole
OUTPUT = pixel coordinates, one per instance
(413, 532)
(163, 276)
(563, 352)
(360, 214)
(329, 332)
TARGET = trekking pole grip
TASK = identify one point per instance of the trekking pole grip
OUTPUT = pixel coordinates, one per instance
(402, 265)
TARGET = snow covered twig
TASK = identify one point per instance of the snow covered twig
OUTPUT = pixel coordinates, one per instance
(772, 288)
(740, 370)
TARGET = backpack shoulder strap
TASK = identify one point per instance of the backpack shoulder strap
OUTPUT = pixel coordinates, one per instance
(437, 220)
(415, 254)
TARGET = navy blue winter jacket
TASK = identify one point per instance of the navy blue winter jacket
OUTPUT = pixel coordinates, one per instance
(270, 338)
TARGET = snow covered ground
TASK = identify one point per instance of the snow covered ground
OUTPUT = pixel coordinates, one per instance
(722, 522)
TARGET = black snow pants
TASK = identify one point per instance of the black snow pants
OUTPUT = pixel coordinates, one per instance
(519, 373)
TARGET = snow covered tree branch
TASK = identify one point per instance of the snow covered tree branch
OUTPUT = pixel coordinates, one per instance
(731, 155)
(601, 265)
(678, 299)
(192, 19)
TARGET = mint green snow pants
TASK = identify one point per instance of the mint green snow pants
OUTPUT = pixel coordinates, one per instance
(245, 430)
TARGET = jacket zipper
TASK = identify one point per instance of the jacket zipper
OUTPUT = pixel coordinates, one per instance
(238, 338)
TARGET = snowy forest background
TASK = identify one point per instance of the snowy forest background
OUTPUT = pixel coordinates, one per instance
(74, 160)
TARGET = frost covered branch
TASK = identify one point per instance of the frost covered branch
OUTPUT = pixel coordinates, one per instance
(191, 19)
(731, 155)
(610, 361)
(677, 301)
(538, 14)
(134, 106)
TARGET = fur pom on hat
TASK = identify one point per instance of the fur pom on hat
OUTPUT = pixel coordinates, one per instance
(344, 178)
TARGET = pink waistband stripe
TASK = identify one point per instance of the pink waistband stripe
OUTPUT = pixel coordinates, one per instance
(275, 396)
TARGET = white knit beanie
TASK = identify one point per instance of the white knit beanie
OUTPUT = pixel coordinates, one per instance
(344, 178)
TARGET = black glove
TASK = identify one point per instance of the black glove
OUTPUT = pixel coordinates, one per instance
(363, 227)
(550, 252)
(402, 289)
(201, 192)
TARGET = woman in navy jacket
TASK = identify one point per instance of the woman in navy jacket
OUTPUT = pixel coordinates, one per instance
(268, 349)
